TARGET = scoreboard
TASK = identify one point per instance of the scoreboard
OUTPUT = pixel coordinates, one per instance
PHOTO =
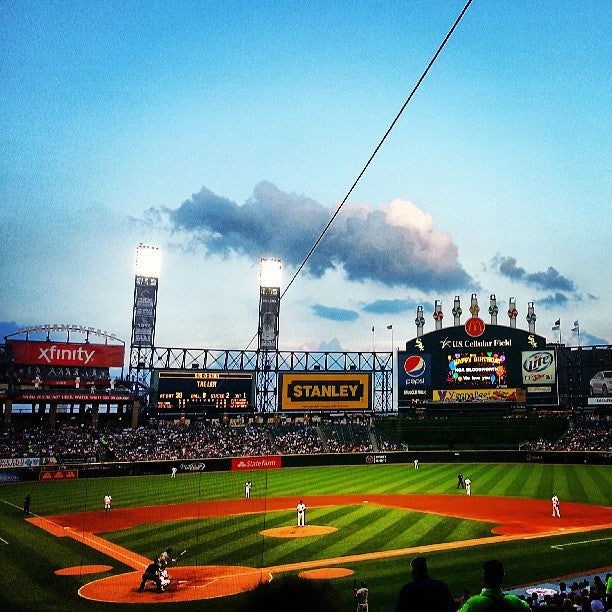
(204, 391)
(497, 365)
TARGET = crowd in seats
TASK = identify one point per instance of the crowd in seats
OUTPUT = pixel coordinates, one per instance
(176, 441)
(581, 595)
(187, 441)
(214, 439)
(588, 435)
(69, 444)
(350, 438)
(295, 439)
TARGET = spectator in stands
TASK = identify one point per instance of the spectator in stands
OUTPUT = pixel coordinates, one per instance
(424, 594)
(596, 603)
(492, 596)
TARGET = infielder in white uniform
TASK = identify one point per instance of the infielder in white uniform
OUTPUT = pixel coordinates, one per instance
(247, 488)
(468, 486)
(301, 514)
(556, 508)
(107, 503)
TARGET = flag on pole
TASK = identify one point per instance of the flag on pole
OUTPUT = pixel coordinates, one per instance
(576, 326)
(389, 326)
(557, 325)
(372, 329)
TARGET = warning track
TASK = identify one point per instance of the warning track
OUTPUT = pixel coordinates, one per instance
(514, 519)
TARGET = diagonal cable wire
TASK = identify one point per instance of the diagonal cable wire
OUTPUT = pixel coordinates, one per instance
(346, 197)
(380, 144)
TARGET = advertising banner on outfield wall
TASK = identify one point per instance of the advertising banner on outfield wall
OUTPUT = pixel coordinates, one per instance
(323, 391)
(256, 463)
(67, 354)
(71, 474)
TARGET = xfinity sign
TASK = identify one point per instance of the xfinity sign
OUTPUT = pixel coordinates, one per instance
(55, 353)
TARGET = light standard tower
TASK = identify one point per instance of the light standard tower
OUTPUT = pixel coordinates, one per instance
(267, 331)
(148, 261)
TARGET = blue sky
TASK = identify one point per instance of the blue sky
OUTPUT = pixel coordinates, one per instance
(227, 132)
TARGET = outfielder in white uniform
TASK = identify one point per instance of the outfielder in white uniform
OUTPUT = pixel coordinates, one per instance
(556, 508)
(107, 503)
(416, 464)
(247, 488)
(301, 514)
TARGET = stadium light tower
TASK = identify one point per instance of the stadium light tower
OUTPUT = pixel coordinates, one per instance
(270, 273)
(148, 261)
(148, 264)
(269, 303)
(267, 332)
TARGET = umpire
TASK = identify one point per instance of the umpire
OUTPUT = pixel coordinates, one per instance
(151, 574)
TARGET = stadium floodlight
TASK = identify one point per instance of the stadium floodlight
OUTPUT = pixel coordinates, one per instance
(270, 273)
(148, 261)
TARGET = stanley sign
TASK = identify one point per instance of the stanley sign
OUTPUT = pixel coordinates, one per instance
(322, 391)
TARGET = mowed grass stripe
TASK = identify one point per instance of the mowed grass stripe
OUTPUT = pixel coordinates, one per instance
(489, 479)
(515, 478)
(361, 529)
(363, 526)
(597, 485)
(435, 478)
(534, 482)
(575, 485)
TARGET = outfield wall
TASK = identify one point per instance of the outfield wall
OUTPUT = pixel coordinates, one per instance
(142, 468)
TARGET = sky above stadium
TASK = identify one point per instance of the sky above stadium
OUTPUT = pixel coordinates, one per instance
(224, 132)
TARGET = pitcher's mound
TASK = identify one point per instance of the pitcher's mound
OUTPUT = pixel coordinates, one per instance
(298, 532)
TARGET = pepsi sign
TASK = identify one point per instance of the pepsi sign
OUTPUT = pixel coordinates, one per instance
(416, 370)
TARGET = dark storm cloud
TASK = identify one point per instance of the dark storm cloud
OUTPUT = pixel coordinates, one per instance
(334, 314)
(549, 280)
(394, 244)
(9, 327)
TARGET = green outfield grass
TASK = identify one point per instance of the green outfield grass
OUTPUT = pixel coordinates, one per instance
(31, 556)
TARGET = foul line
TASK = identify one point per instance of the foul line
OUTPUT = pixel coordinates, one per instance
(562, 546)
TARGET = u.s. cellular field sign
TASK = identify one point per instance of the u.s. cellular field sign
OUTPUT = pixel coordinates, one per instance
(500, 364)
(325, 391)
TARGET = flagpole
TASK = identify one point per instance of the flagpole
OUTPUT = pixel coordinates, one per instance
(373, 343)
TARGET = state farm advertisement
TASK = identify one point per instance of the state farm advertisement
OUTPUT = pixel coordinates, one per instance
(256, 463)
(67, 354)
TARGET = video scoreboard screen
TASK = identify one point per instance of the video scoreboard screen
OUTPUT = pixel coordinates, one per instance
(453, 366)
(200, 391)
